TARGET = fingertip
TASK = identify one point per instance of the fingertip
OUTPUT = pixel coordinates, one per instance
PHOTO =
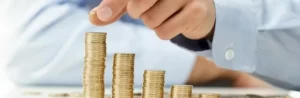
(94, 19)
(93, 11)
(165, 32)
(104, 13)
(131, 11)
(162, 35)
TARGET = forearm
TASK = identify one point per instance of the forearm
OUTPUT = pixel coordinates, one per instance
(204, 71)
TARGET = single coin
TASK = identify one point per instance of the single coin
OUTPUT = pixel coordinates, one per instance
(32, 93)
(58, 95)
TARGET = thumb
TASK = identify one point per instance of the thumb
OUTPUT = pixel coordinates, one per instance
(109, 9)
(93, 17)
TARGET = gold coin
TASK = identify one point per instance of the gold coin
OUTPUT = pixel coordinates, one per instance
(209, 96)
(75, 94)
(154, 71)
(95, 37)
(123, 75)
(120, 72)
(153, 85)
(181, 91)
(31, 93)
(95, 58)
(58, 95)
(94, 61)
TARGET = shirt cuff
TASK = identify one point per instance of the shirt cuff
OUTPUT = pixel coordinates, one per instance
(192, 45)
(235, 34)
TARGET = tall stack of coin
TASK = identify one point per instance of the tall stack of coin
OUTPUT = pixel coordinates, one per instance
(95, 53)
(153, 86)
(181, 91)
(123, 75)
(211, 96)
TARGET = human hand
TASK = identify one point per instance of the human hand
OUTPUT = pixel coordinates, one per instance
(192, 18)
(205, 72)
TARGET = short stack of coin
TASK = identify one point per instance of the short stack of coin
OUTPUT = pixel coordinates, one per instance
(181, 91)
(153, 85)
(212, 96)
(123, 75)
(93, 76)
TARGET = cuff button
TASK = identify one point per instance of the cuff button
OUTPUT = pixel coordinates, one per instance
(229, 54)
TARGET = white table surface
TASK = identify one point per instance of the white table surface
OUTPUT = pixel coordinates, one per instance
(19, 91)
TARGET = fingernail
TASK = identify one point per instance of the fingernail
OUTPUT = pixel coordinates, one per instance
(93, 11)
(104, 14)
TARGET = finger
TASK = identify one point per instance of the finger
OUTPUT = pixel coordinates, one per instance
(184, 21)
(206, 23)
(93, 18)
(108, 10)
(136, 8)
(162, 10)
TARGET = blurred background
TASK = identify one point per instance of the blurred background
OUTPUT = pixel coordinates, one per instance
(5, 29)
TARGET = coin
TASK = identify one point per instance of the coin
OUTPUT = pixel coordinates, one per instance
(277, 97)
(95, 37)
(212, 96)
(233, 96)
(31, 93)
(181, 91)
(75, 94)
(123, 75)
(58, 95)
(94, 65)
(153, 84)
(254, 96)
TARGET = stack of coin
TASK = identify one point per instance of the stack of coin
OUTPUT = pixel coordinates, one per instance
(93, 76)
(214, 96)
(181, 91)
(123, 75)
(153, 86)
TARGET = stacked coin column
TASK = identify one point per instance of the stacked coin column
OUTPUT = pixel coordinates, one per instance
(181, 91)
(123, 75)
(153, 86)
(95, 53)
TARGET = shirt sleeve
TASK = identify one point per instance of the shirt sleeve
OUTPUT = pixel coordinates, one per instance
(261, 37)
(236, 30)
(234, 37)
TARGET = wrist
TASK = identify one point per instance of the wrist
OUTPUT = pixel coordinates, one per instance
(210, 35)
